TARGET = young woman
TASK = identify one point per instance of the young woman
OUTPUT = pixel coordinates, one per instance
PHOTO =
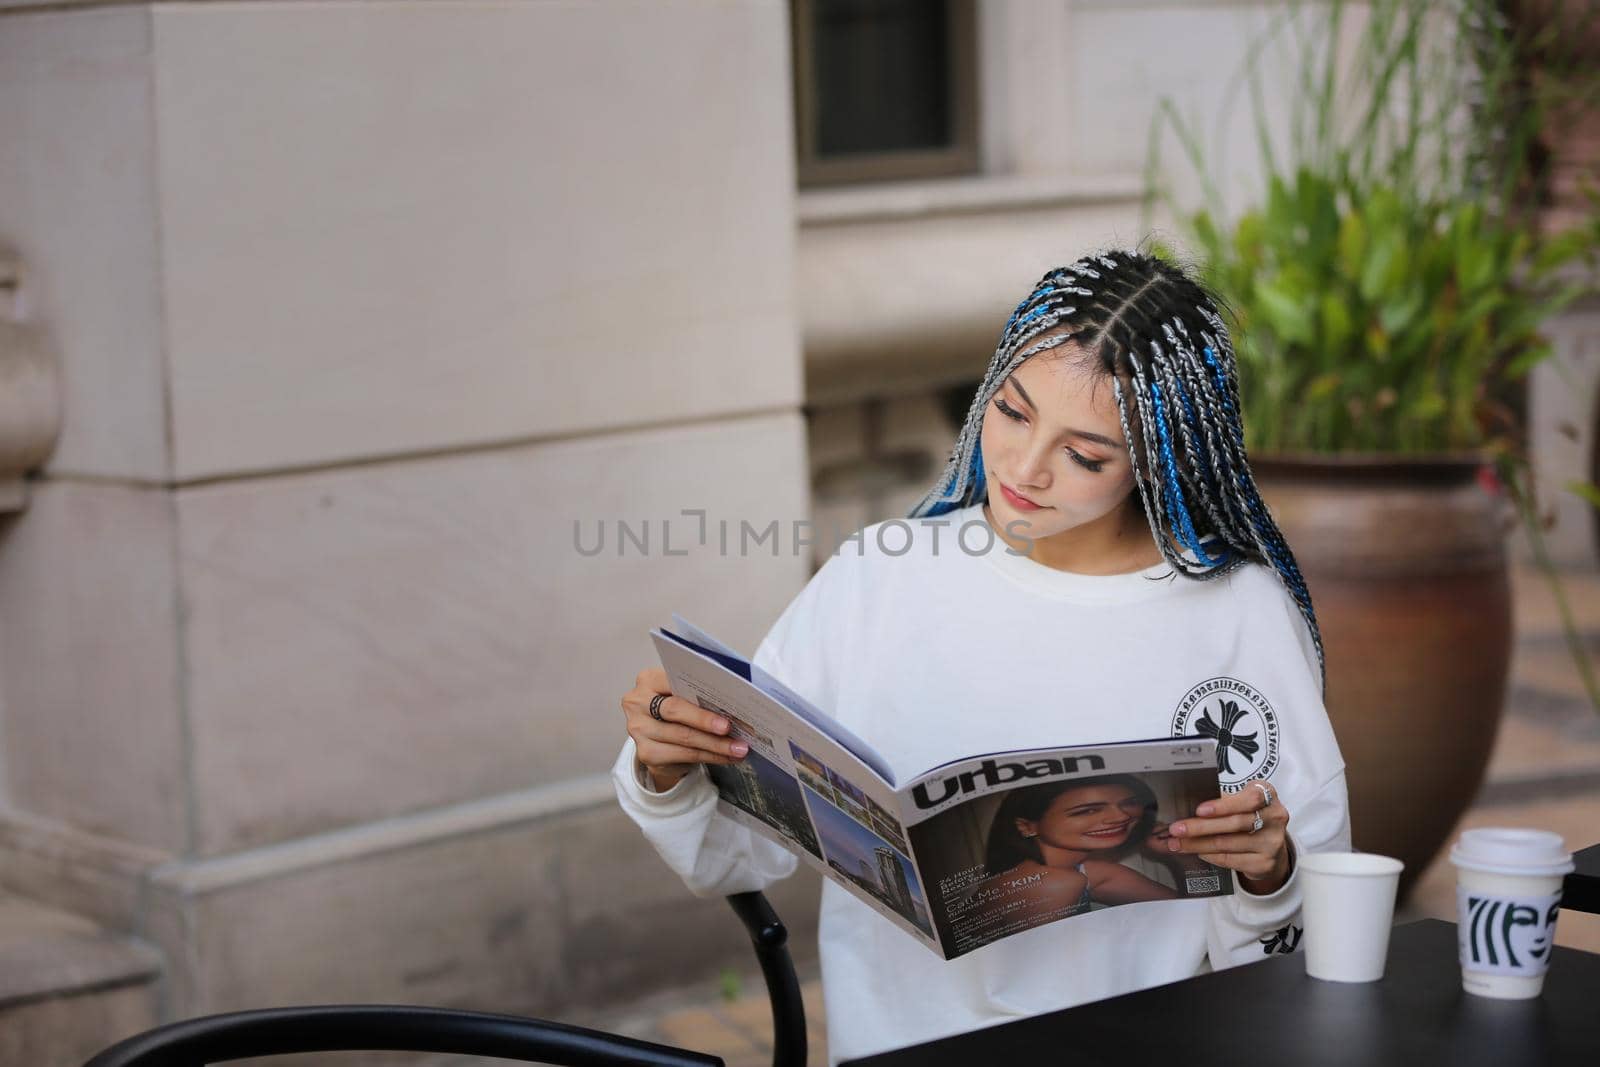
(1095, 564)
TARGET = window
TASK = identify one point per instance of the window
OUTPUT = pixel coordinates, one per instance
(884, 89)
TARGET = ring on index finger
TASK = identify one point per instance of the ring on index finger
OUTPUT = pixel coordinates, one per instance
(1266, 794)
(655, 706)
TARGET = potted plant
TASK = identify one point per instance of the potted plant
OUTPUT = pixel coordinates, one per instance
(1387, 293)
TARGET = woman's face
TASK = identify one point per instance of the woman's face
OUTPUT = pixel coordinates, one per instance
(1087, 819)
(1051, 434)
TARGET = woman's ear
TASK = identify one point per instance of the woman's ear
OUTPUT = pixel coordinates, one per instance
(1027, 827)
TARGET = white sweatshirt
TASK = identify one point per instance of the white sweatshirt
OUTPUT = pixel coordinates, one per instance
(931, 649)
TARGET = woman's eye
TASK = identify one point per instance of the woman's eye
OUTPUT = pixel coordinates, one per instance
(1095, 465)
(1007, 410)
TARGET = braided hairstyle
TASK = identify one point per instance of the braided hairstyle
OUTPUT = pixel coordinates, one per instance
(1158, 335)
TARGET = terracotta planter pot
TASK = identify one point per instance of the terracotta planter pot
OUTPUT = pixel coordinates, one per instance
(1406, 563)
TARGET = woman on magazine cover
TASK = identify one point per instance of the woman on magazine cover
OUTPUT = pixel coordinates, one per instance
(1094, 564)
(1054, 848)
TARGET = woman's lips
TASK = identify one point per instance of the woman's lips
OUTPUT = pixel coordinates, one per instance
(1021, 503)
(1114, 831)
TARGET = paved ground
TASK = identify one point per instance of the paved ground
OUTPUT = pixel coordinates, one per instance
(1545, 773)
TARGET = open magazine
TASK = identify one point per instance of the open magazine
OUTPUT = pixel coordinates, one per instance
(966, 853)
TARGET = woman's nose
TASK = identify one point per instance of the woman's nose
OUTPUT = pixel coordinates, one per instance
(1034, 472)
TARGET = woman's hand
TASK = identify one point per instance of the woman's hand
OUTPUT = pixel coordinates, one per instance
(1220, 834)
(685, 735)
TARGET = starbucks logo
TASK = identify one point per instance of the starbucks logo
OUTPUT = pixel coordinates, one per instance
(1241, 722)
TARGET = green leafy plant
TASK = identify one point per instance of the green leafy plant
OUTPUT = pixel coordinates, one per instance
(1387, 283)
(1388, 288)
(1372, 320)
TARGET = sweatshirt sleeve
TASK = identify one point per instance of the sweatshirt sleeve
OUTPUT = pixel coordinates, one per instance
(1309, 778)
(711, 852)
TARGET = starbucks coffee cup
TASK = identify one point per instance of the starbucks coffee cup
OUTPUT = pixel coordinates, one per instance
(1508, 890)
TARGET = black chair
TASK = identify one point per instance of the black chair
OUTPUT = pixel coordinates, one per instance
(1582, 887)
(405, 1028)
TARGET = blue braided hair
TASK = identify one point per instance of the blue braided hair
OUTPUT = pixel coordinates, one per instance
(1158, 334)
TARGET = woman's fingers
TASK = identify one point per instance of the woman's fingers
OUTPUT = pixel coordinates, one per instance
(1220, 832)
(653, 679)
(685, 733)
(1247, 798)
(1263, 842)
(673, 709)
(663, 756)
(680, 736)
(1229, 824)
(1259, 843)
(1233, 813)
(679, 710)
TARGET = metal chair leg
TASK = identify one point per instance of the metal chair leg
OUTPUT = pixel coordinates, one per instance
(771, 941)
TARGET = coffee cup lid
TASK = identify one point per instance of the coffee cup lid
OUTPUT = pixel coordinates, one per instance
(1504, 850)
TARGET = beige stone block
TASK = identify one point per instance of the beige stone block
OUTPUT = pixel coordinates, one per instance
(530, 915)
(77, 181)
(631, 920)
(91, 706)
(468, 223)
(47, 953)
(99, 878)
(66, 1031)
(473, 921)
(387, 638)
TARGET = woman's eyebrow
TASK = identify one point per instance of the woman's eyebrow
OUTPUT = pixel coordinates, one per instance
(1085, 434)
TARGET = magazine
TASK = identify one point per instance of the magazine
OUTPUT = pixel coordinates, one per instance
(965, 853)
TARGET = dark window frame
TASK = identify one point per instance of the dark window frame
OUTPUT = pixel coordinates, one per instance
(960, 158)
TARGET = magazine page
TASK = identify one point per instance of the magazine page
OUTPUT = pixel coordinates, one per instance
(1011, 841)
(802, 788)
(693, 637)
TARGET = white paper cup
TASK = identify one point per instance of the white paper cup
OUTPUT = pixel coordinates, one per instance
(1508, 890)
(1348, 902)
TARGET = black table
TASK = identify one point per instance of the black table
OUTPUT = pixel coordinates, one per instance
(1582, 889)
(1269, 1013)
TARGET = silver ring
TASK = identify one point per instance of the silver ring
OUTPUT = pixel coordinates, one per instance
(655, 706)
(1258, 824)
(1266, 791)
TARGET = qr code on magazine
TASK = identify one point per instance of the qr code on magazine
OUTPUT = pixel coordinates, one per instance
(1205, 883)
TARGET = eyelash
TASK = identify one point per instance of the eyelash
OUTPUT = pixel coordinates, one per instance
(1094, 466)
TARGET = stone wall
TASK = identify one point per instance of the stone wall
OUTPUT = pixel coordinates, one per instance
(360, 308)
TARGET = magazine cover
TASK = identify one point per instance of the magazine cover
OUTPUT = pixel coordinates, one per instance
(1028, 851)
